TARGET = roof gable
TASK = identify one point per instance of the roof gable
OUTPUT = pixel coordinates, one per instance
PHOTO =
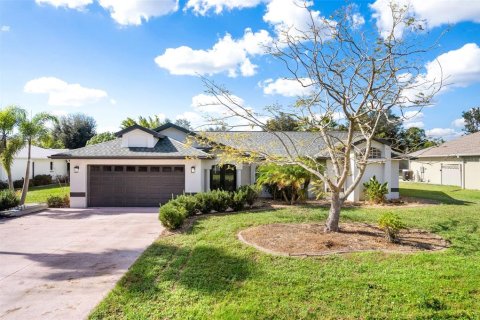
(138, 127)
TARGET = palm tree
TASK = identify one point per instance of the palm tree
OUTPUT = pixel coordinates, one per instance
(32, 129)
(9, 118)
(14, 145)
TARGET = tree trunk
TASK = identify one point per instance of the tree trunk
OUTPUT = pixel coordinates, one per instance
(334, 213)
(10, 179)
(27, 174)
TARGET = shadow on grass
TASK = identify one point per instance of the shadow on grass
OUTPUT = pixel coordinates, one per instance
(434, 195)
(204, 269)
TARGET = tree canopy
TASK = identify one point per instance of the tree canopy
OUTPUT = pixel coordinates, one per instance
(74, 130)
(472, 120)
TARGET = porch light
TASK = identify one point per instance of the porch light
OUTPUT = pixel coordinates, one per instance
(192, 169)
(76, 169)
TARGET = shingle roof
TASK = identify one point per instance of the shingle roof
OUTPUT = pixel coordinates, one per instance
(468, 145)
(165, 148)
(279, 143)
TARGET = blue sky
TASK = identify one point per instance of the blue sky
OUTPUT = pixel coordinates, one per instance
(113, 59)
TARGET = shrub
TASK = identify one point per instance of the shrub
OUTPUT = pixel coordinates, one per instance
(391, 224)
(238, 200)
(8, 199)
(190, 203)
(251, 193)
(18, 184)
(58, 201)
(3, 185)
(42, 180)
(375, 191)
(172, 216)
(204, 202)
(220, 200)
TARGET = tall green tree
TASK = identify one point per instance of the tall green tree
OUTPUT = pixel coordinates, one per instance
(472, 120)
(414, 139)
(283, 122)
(9, 118)
(153, 122)
(32, 129)
(101, 137)
(74, 130)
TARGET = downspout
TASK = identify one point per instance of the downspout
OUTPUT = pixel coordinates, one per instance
(463, 172)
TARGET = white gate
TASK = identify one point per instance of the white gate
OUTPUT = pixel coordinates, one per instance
(452, 174)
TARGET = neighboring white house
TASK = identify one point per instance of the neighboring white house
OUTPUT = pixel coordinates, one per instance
(40, 163)
(456, 162)
(144, 167)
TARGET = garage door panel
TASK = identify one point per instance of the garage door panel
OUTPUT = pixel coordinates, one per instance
(133, 186)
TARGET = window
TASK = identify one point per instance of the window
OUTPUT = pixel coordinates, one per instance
(95, 168)
(374, 153)
(154, 169)
(166, 169)
(118, 168)
(178, 169)
(51, 165)
(130, 169)
(107, 168)
(142, 169)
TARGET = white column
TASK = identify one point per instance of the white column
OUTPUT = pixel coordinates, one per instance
(207, 179)
(239, 178)
(253, 169)
(387, 170)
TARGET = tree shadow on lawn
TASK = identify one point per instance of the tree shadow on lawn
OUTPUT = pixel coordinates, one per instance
(434, 195)
(204, 269)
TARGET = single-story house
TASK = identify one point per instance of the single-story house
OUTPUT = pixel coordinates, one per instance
(144, 167)
(40, 163)
(456, 162)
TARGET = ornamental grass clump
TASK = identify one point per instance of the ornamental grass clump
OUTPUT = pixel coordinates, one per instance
(391, 224)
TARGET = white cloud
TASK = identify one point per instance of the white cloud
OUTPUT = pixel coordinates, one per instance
(460, 67)
(292, 17)
(71, 4)
(434, 12)
(287, 87)
(195, 119)
(202, 7)
(4, 28)
(455, 68)
(61, 93)
(133, 12)
(443, 133)
(124, 12)
(357, 20)
(458, 123)
(227, 55)
(210, 104)
(413, 119)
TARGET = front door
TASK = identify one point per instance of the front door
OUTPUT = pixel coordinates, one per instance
(223, 177)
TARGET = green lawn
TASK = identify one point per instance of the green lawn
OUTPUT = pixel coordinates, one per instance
(207, 273)
(40, 194)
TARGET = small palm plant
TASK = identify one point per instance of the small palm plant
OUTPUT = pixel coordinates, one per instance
(291, 181)
(375, 191)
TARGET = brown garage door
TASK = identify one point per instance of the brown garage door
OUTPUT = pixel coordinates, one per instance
(133, 186)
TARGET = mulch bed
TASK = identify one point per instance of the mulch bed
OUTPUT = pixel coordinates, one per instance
(311, 240)
(403, 202)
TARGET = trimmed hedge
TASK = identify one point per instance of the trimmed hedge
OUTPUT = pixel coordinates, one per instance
(8, 200)
(173, 213)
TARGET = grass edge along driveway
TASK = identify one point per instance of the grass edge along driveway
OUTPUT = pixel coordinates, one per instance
(206, 273)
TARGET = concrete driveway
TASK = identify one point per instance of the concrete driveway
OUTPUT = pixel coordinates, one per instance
(58, 264)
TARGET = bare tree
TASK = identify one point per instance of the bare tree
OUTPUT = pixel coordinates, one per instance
(356, 74)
